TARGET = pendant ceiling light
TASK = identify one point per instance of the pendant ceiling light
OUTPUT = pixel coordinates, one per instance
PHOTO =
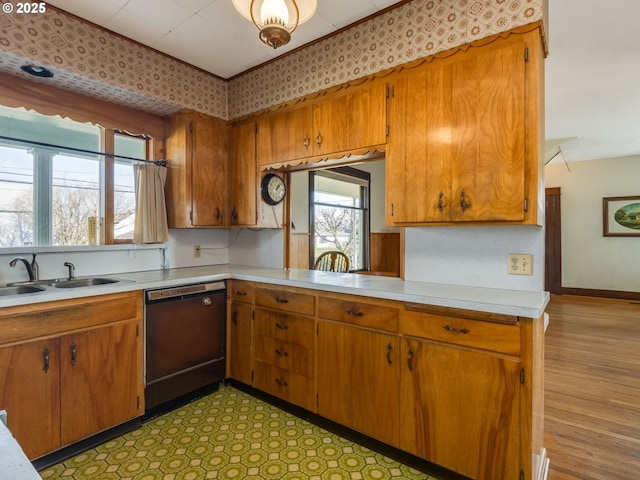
(276, 19)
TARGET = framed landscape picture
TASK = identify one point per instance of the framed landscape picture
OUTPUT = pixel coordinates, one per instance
(621, 216)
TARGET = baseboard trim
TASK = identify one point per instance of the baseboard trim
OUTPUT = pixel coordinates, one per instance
(588, 292)
(401, 456)
(86, 444)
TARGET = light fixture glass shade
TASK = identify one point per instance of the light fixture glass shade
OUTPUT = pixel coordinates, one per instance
(276, 19)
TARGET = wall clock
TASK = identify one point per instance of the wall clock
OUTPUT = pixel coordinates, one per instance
(273, 189)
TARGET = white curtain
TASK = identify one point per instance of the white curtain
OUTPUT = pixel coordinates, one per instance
(151, 211)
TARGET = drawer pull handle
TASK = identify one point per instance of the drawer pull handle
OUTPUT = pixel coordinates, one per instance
(74, 352)
(281, 353)
(451, 329)
(45, 358)
(389, 352)
(240, 293)
(355, 313)
(282, 383)
(281, 300)
(410, 359)
(282, 326)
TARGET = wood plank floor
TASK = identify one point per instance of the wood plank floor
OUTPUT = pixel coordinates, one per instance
(592, 389)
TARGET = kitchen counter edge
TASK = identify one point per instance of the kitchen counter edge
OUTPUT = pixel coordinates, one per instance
(484, 299)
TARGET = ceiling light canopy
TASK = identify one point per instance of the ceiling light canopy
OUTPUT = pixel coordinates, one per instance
(276, 19)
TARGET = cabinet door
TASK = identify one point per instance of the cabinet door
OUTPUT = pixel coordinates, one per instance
(488, 98)
(240, 348)
(358, 378)
(99, 379)
(418, 160)
(242, 170)
(284, 136)
(30, 393)
(460, 409)
(208, 172)
(350, 120)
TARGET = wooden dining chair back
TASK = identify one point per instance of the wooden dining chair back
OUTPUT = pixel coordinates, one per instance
(332, 261)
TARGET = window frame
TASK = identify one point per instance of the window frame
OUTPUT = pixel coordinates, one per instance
(111, 117)
(343, 174)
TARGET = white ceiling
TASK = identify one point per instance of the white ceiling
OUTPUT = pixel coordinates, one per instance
(592, 72)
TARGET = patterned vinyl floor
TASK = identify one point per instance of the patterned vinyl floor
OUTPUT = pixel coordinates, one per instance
(230, 435)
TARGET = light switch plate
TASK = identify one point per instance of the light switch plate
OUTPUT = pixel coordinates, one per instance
(520, 264)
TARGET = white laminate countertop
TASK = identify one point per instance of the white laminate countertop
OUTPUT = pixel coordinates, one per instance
(483, 299)
(14, 464)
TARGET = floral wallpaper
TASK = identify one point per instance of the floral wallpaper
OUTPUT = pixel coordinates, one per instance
(92, 61)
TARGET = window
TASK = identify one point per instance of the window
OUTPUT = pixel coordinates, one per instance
(339, 214)
(55, 186)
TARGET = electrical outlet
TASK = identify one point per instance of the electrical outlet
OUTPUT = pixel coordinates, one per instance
(520, 264)
(196, 251)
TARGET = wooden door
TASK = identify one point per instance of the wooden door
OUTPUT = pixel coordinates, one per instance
(242, 170)
(284, 136)
(358, 378)
(208, 171)
(240, 344)
(99, 379)
(30, 393)
(418, 160)
(488, 106)
(460, 409)
(553, 242)
(350, 120)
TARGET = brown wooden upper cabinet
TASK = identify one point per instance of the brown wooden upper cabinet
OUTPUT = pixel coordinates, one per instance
(243, 175)
(464, 136)
(351, 119)
(196, 147)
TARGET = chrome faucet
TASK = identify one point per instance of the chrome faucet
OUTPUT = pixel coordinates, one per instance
(72, 270)
(35, 268)
(14, 261)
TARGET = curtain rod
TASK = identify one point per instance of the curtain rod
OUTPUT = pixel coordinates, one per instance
(161, 163)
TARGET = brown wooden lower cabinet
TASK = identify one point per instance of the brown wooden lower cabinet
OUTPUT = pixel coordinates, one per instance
(458, 388)
(461, 409)
(240, 341)
(71, 369)
(359, 379)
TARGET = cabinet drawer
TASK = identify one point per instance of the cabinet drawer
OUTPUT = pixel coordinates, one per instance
(358, 313)
(286, 327)
(284, 300)
(240, 291)
(288, 356)
(284, 384)
(495, 337)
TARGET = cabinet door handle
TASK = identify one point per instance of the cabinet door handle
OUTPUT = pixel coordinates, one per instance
(451, 329)
(234, 318)
(281, 353)
(389, 352)
(281, 300)
(282, 383)
(217, 213)
(234, 215)
(282, 326)
(441, 203)
(319, 139)
(355, 313)
(464, 204)
(45, 360)
(74, 353)
(410, 360)
(306, 141)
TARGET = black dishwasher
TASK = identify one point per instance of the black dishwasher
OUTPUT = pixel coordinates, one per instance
(184, 342)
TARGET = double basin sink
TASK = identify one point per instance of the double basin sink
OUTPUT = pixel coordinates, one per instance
(34, 287)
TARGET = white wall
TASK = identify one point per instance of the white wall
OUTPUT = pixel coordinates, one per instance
(473, 256)
(257, 247)
(120, 259)
(590, 260)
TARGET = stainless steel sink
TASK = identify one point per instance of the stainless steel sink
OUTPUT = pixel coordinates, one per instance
(19, 289)
(82, 282)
